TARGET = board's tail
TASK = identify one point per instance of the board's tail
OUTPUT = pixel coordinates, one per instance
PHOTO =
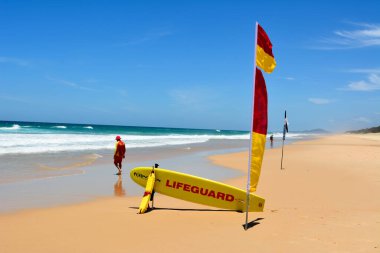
(147, 194)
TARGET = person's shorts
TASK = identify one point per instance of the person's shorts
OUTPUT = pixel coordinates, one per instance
(117, 159)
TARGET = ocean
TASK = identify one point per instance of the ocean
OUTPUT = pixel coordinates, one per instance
(37, 137)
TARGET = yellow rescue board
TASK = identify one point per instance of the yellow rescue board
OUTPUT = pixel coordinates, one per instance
(198, 190)
(148, 192)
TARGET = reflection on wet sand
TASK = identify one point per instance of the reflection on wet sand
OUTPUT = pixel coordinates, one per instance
(119, 191)
(88, 160)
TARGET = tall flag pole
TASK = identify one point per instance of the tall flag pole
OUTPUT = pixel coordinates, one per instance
(263, 58)
(285, 130)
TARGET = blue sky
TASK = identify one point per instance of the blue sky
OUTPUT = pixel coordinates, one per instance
(189, 63)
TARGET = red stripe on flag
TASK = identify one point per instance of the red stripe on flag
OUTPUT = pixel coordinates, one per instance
(263, 41)
(260, 113)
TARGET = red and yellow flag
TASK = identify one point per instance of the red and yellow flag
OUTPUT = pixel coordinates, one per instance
(265, 60)
(264, 56)
(259, 129)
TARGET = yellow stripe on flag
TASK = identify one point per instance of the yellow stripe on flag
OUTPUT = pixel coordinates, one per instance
(264, 60)
(257, 151)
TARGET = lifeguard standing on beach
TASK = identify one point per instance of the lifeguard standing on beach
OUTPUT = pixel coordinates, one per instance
(119, 154)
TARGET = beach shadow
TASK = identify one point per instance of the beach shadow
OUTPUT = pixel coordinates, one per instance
(147, 210)
(185, 209)
(253, 223)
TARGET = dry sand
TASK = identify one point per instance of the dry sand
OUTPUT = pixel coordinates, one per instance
(325, 200)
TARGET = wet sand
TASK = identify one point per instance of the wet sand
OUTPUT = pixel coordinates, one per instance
(324, 200)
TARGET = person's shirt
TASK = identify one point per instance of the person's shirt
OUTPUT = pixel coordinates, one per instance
(120, 148)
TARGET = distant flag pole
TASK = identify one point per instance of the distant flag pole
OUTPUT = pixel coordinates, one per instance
(263, 58)
(285, 130)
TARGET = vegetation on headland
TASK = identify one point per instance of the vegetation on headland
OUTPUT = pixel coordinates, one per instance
(366, 130)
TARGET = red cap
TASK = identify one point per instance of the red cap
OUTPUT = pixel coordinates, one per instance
(118, 138)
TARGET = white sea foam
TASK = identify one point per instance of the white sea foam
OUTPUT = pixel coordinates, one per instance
(14, 127)
(60, 127)
(41, 143)
(26, 143)
(88, 127)
(294, 135)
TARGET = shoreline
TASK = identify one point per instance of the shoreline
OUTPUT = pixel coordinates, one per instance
(323, 201)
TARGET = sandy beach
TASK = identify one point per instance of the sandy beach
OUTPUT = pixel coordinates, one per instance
(324, 200)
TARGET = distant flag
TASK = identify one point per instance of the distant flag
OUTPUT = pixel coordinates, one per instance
(283, 137)
(285, 127)
(264, 55)
(264, 59)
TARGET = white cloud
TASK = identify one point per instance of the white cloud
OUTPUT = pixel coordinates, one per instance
(185, 97)
(13, 98)
(150, 36)
(366, 71)
(16, 61)
(195, 98)
(363, 119)
(366, 35)
(70, 84)
(320, 101)
(372, 84)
